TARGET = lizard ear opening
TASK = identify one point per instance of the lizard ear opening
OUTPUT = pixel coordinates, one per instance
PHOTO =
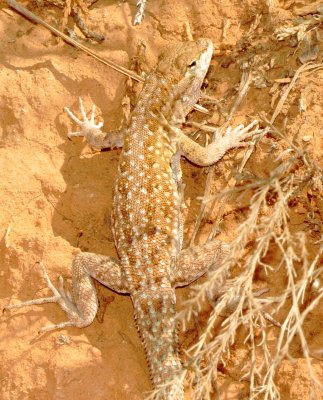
(192, 64)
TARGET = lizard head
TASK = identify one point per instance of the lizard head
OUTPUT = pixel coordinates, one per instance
(184, 66)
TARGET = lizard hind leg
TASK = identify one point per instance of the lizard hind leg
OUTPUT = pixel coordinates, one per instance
(61, 297)
(195, 261)
(81, 307)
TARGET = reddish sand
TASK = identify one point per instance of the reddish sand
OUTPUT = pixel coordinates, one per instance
(56, 193)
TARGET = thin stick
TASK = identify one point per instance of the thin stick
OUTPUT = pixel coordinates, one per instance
(6, 236)
(243, 89)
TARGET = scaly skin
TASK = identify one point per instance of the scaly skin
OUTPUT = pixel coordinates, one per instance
(146, 204)
(147, 222)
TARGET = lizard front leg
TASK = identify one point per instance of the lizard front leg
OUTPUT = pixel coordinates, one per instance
(92, 131)
(205, 156)
(80, 307)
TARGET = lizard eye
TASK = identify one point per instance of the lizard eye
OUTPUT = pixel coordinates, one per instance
(192, 64)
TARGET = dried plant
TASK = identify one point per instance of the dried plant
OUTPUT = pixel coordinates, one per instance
(266, 230)
(141, 4)
(270, 226)
(299, 28)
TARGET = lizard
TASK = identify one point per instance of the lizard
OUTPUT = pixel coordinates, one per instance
(147, 217)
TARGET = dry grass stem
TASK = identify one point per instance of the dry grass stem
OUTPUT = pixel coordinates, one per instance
(265, 230)
(141, 4)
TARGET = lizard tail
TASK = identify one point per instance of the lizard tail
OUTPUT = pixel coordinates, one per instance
(155, 318)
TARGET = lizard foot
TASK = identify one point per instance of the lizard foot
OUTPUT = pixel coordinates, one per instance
(234, 137)
(92, 131)
(64, 299)
(87, 125)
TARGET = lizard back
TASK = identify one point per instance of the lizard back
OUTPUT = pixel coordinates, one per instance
(146, 205)
(146, 202)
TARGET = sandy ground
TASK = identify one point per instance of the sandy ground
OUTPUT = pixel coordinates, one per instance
(55, 194)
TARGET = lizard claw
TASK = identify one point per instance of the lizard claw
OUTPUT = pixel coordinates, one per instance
(87, 124)
(235, 136)
(60, 296)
